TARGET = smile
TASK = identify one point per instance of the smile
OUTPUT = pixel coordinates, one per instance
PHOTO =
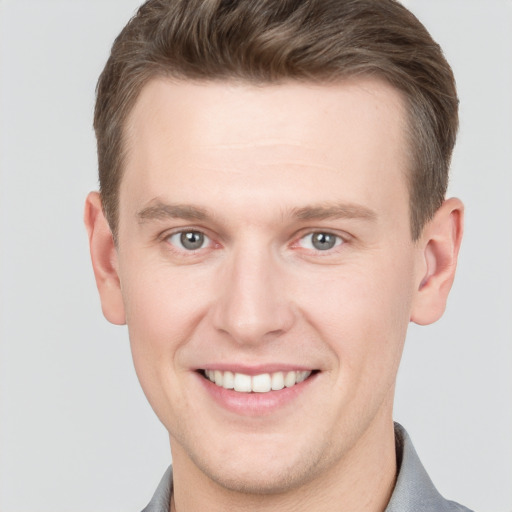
(262, 383)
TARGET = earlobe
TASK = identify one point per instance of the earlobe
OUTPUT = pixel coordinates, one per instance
(440, 244)
(104, 260)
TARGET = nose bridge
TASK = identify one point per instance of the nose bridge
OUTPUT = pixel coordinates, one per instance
(252, 303)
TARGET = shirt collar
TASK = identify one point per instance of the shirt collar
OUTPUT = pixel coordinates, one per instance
(414, 490)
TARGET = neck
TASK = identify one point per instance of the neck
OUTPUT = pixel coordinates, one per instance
(362, 482)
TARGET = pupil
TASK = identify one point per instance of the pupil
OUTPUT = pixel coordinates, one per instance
(323, 241)
(192, 240)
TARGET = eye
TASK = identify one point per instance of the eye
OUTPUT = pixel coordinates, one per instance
(189, 240)
(320, 241)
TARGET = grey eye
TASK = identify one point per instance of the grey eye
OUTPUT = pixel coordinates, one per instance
(320, 241)
(189, 240)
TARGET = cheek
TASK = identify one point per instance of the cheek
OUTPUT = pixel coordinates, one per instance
(362, 312)
(160, 322)
(165, 306)
(160, 303)
(156, 313)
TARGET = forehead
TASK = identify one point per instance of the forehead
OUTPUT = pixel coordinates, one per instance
(274, 141)
(233, 106)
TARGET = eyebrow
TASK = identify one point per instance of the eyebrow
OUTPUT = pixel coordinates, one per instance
(334, 211)
(160, 211)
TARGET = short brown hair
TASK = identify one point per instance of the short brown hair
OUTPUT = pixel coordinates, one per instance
(269, 41)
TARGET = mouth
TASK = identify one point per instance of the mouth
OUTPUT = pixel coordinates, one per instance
(261, 383)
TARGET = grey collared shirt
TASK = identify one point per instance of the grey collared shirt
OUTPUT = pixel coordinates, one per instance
(414, 491)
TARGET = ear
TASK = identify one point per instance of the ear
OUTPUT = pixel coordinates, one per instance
(439, 249)
(104, 260)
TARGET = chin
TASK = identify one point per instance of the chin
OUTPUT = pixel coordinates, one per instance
(260, 482)
(276, 473)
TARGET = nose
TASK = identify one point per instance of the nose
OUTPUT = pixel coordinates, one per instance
(253, 305)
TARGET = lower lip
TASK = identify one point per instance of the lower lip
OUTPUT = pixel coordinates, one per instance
(255, 404)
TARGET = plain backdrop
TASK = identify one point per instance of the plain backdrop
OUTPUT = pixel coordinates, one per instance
(76, 433)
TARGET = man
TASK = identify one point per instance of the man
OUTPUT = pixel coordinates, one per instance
(271, 216)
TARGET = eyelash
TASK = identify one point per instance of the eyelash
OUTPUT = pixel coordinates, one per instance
(339, 242)
(168, 236)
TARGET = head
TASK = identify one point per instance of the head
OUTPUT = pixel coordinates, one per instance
(274, 177)
(268, 42)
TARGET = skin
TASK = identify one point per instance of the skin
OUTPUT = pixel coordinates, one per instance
(258, 169)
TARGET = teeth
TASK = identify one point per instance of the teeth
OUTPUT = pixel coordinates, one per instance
(277, 381)
(290, 379)
(302, 376)
(242, 383)
(262, 383)
(228, 380)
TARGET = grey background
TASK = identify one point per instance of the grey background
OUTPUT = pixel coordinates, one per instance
(76, 433)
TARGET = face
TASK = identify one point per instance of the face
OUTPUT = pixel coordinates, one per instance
(267, 272)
